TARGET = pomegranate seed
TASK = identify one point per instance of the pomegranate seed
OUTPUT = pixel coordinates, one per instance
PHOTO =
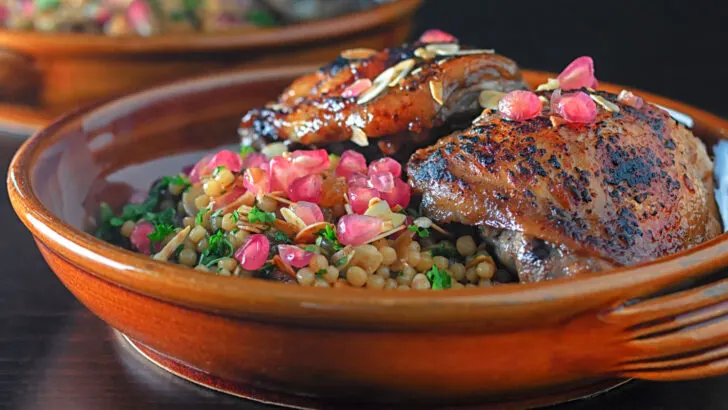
(306, 188)
(520, 105)
(308, 212)
(381, 181)
(294, 255)
(256, 181)
(386, 164)
(254, 253)
(359, 197)
(437, 36)
(578, 74)
(230, 196)
(350, 162)
(628, 98)
(228, 159)
(356, 88)
(576, 107)
(357, 229)
(400, 195)
(255, 160)
(140, 240)
(200, 169)
(282, 173)
(310, 161)
(358, 179)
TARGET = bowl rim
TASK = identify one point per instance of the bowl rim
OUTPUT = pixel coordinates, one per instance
(68, 44)
(345, 307)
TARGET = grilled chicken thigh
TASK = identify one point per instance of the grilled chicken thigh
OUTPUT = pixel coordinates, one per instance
(402, 97)
(558, 200)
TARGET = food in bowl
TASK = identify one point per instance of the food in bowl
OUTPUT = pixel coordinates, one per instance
(535, 186)
(149, 17)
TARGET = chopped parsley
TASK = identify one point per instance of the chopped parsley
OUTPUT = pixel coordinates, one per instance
(176, 180)
(218, 248)
(246, 150)
(218, 169)
(310, 248)
(321, 272)
(439, 279)
(216, 214)
(421, 232)
(256, 215)
(448, 251)
(235, 215)
(200, 218)
(329, 235)
(266, 271)
(160, 232)
(342, 261)
(281, 238)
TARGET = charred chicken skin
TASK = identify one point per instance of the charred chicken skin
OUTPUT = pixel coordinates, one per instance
(397, 96)
(561, 199)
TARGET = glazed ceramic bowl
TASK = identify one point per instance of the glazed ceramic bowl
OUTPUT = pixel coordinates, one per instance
(42, 75)
(312, 347)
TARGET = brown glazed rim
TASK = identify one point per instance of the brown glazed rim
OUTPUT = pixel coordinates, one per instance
(345, 307)
(65, 43)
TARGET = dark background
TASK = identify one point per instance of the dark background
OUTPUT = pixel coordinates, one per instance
(675, 48)
(54, 354)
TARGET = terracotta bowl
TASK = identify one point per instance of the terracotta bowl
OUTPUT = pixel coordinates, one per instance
(515, 345)
(43, 75)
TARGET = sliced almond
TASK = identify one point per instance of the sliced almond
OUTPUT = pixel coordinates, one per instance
(488, 99)
(378, 85)
(348, 253)
(274, 149)
(286, 227)
(293, 219)
(438, 228)
(247, 199)
(385, 234)
(543, 99)
(358, 53)
(606, 104)
(308, 234)
(359, 137)
(379, 208)
(249, 228)
(424, 54)
(436, 90)
(275, 197)
(402, 68)
(443, 49)
(166, 252)
(423, 222)
(398, 219)
(557, 121)
(474, 51)
(283, 266)
(551, 84)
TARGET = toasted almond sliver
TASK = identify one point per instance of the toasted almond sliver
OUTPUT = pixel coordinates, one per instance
(278, 198)
(293, 219)
(403, 68)
(171, 246)
(436, 90)
(378, 85)
(489, 99)
(359, 137)
(443, 49)
(606, 104)
(387, 233)
(358, 53)
(550, 84)
(424, 54)
(543, 99)
(249, 228)
(283, 266)
(438, 228)
(474, 51)
(247, 199)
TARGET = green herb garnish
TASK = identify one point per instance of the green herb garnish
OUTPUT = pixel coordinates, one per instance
(439, 279)
(160, 232)
(281, 238)
(448, 251)
(321, 272)
(266, 271)
(310, 248)
(218, 248)
(261, 18)
(218, 169)
(200, 218)
(328, 234)
(246, 150)
(342, 261)
(256, 215)
(216, 214)
(176, 180)
(235, 215)
(421, 232)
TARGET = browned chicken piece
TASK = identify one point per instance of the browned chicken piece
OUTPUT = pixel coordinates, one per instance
(559, 201)
(415, 90)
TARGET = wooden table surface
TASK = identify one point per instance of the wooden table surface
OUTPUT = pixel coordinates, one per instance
(54, 354)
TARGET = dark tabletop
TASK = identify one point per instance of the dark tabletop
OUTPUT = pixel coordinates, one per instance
(54, 354)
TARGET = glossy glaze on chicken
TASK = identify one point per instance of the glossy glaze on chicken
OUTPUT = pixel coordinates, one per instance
(388, 102)
(559, 199)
